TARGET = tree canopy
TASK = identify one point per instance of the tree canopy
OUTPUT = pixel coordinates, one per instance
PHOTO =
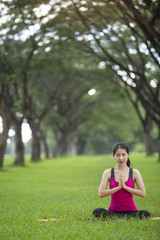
(53, 52)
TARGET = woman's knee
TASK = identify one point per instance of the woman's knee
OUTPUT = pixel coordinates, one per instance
(144, 213)
(99, 212)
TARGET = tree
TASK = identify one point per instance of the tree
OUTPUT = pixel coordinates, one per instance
(124, 35)
(6, 120)
(6, 125)
(7, 76)
(70, 81)
(114, 120)
(19, 45)
(15, 88)
(136, 77)
(112, 31)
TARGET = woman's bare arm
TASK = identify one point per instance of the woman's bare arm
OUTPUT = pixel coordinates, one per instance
(140, 191)
(103, 191)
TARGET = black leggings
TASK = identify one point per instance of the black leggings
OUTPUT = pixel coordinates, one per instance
(101, 212)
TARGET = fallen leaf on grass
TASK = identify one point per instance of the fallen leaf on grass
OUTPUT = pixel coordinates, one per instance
(155, 218)
(46, 220)
(54, 219)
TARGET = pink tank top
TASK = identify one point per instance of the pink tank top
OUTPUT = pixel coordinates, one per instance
(122, 200)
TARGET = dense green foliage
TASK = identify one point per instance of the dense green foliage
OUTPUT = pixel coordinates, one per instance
(67, 189)
(53, 52)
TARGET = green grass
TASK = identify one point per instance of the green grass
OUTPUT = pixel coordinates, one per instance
(67, 188)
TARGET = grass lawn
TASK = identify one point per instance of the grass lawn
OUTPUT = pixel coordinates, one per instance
(67, 189)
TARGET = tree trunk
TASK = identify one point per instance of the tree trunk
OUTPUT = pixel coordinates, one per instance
(19, 160)
(147, 135)
(148, 143)
(36, 146)
(159, 143)
(36, 152)
(6, 125)
(46, 150)
(3, 143)
(80, 146)
(56, 144)
(61, 143)
(74, 146)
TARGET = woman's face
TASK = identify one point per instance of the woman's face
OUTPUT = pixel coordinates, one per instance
(121, 156)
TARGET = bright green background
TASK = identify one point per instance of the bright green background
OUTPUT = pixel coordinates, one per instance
(67, 189)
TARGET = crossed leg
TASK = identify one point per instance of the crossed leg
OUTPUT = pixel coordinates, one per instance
(101, 212)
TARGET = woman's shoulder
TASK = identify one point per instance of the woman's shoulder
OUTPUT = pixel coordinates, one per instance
(136, 173)
(107, 173)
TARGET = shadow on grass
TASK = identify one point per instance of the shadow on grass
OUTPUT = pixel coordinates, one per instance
(3, 170)
(15, 165)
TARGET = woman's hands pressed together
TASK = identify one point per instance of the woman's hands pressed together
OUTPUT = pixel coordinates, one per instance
(104, 192)
(141, 188)
(121, 182)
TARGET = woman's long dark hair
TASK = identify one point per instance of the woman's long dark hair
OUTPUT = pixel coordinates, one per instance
(121, 145)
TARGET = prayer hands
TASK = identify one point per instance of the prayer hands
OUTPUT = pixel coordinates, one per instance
(121, 182)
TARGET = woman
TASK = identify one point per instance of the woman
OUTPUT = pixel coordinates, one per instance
(122, 179)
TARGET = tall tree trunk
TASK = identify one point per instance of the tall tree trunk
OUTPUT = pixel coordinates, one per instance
(147, 125)
(63, 144)
(81, 143)
(19, 160)
(44, 141)
(36, 146)
(6, 125)
(3, 143)
(159, 143)
(36, 149)
(73, 144)
(56, 144)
